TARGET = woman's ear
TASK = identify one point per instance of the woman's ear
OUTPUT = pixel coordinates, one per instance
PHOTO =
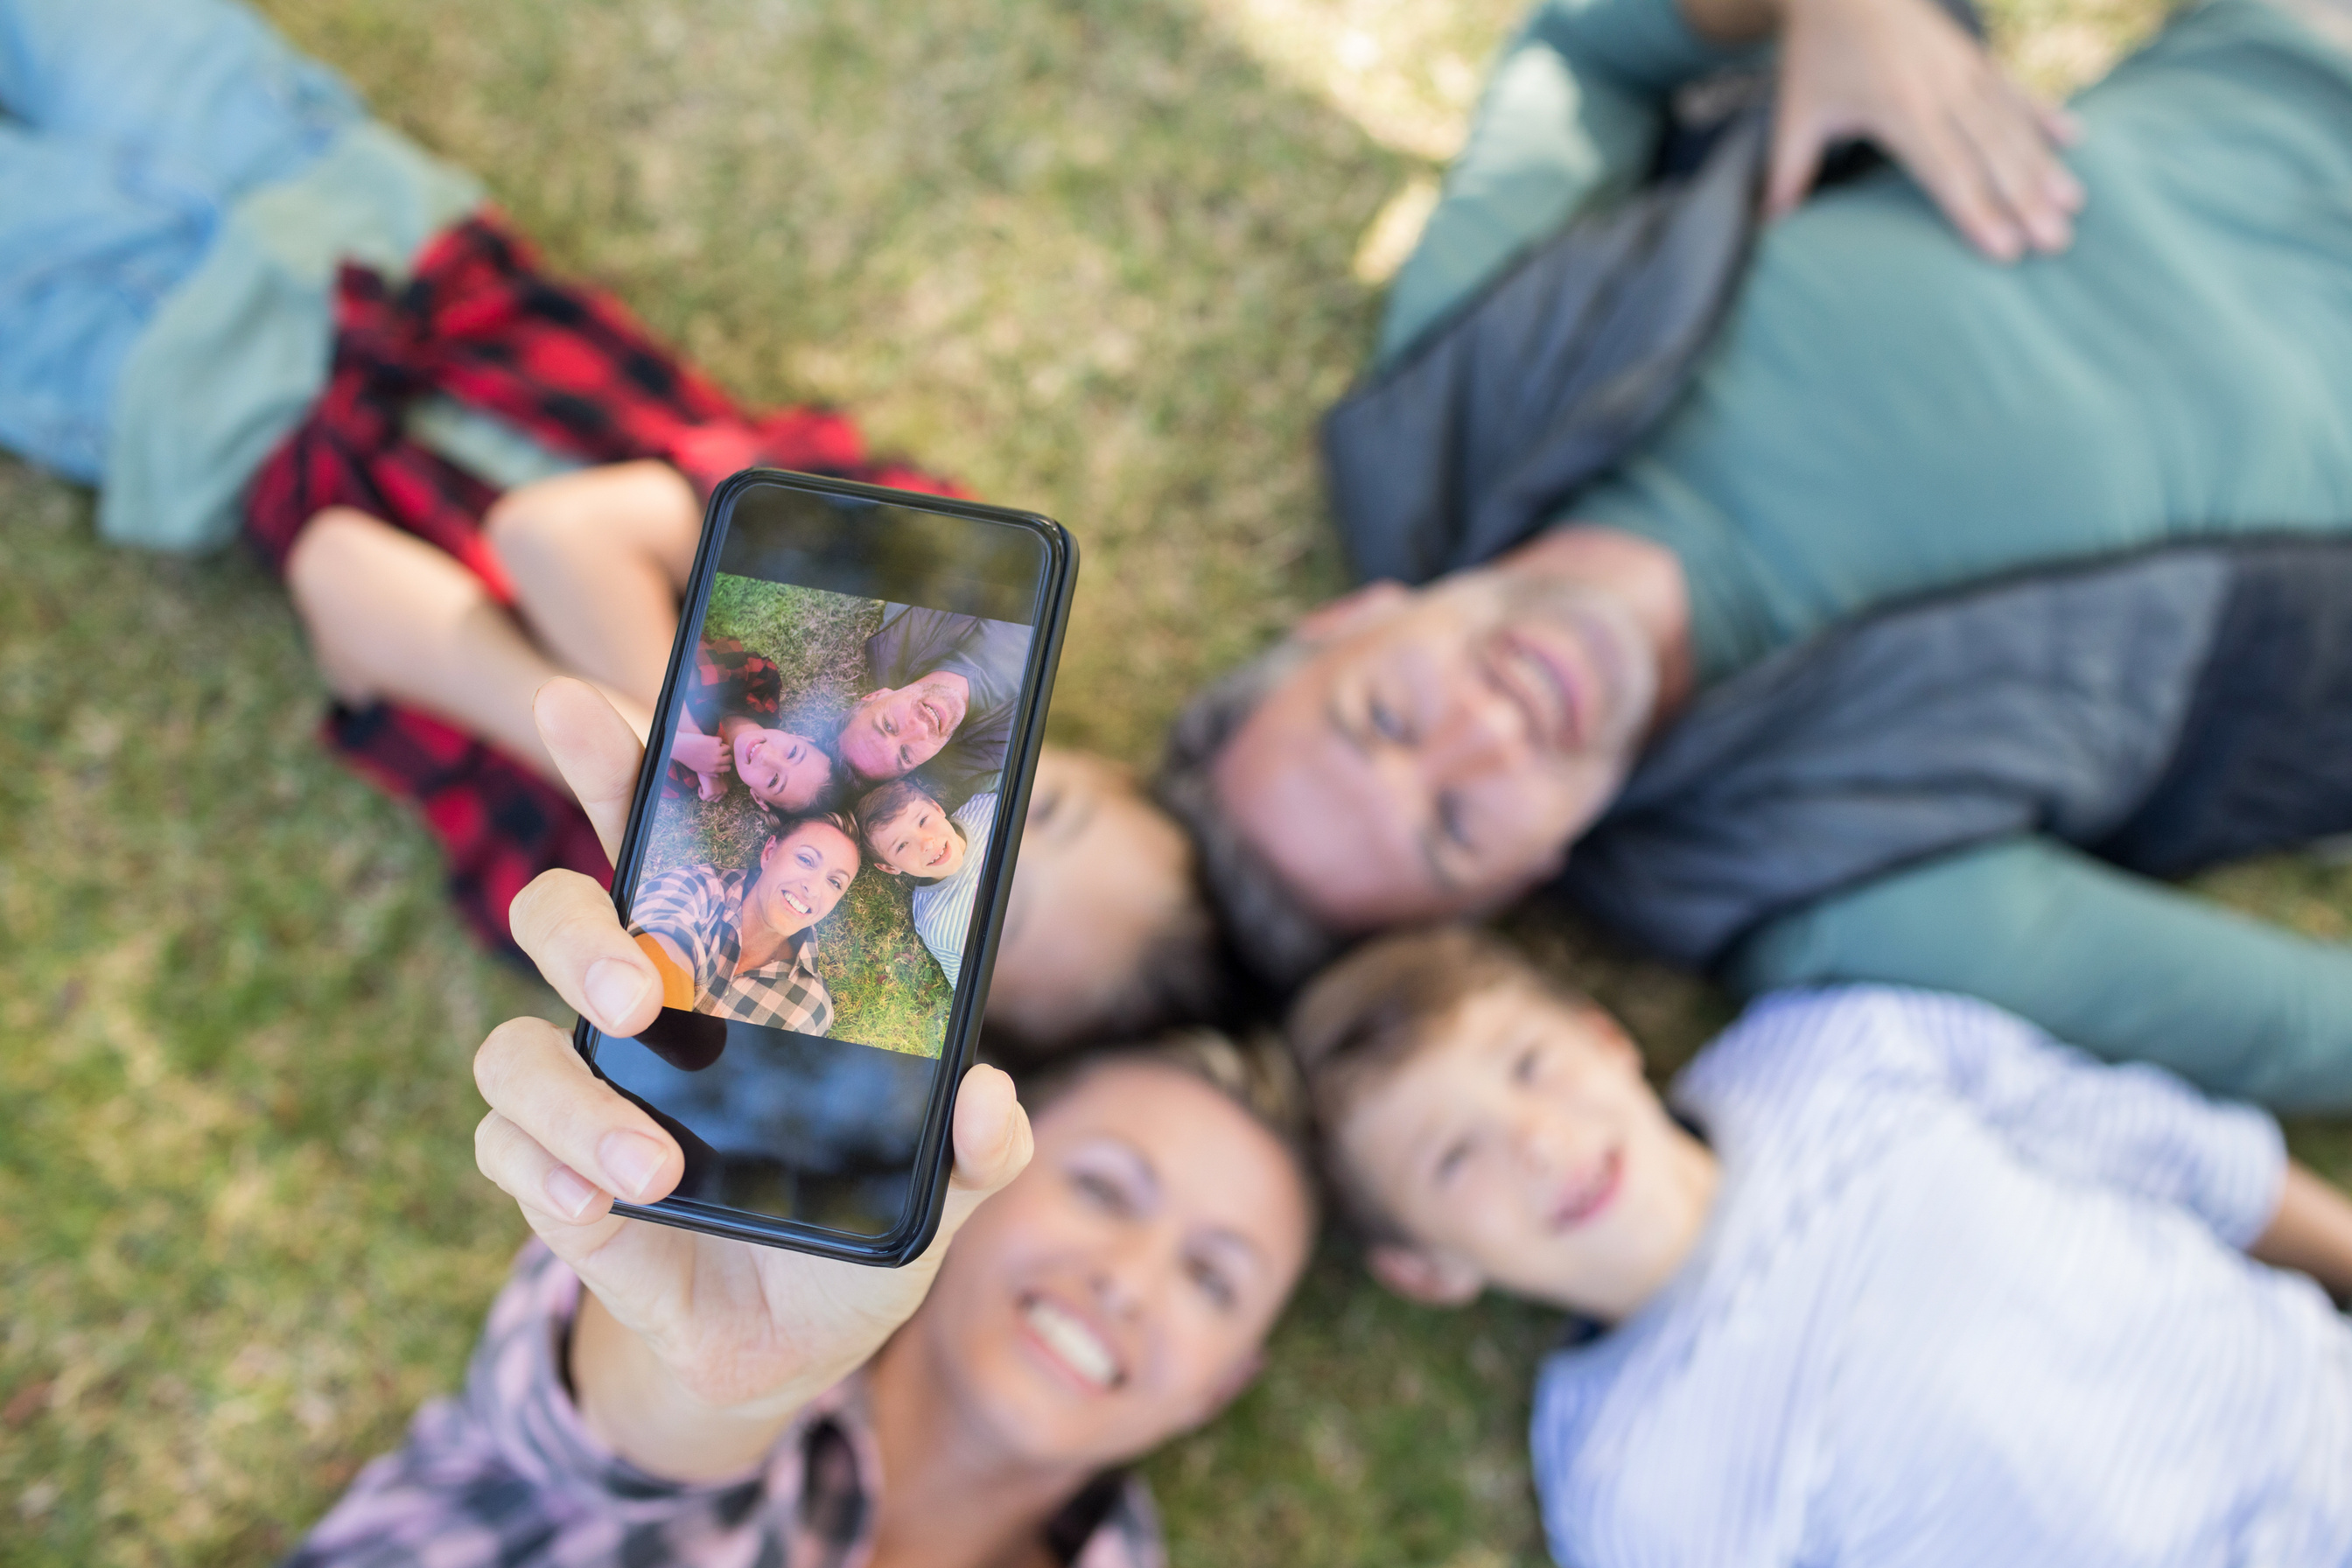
(1431, 1279)
(1350, 610)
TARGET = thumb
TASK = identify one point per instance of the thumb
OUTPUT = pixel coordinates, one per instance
(992, 1142)
(1797, 143)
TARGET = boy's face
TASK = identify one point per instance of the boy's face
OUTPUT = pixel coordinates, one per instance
(919, 841)
(1524, 1149)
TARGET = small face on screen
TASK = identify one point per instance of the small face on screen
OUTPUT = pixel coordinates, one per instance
(806, 876)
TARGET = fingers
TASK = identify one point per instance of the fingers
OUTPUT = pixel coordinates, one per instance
(549, 1111)
(1993, 176)
(992, 1131)
(1903, 73)
(597, 751)
(2027, 185)
(552, 1193)
(1797, 145)
(565, 922)
(993, 1143)
(2063, 128)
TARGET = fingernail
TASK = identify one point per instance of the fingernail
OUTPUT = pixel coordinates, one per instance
(568, 1193)
(614, 988)
(631, 1159)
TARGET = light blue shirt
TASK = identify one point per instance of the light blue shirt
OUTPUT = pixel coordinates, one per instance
(181, 188)
(943, 909)
(1966, 1297)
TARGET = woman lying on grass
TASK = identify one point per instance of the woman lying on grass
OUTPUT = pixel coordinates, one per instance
(240, 306)
(643, 1394)
(742, 944)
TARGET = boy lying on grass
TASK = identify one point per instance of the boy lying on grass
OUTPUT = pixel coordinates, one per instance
(1897, 1279)
(910, 834)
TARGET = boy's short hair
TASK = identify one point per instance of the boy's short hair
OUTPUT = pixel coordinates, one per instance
(1257, 1076)
(1361, 1019)
(877, 806)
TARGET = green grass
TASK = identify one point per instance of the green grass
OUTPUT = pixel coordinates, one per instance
(1095, 258)
(886, 989)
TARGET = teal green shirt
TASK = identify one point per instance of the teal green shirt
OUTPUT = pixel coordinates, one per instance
(1886, 412)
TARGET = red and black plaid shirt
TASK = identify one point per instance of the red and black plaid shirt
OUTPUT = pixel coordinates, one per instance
(729, 680)
(479, 324)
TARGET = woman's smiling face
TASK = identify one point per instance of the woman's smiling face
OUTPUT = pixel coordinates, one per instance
(1120, 1290)
(803, 871)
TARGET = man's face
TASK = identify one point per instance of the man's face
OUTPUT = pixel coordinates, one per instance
(1526, 1150)
(894, 731)
(1440, 748)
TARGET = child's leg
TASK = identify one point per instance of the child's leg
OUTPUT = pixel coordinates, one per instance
(598, 558)
(392, 619)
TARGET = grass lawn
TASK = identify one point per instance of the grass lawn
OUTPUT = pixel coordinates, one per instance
(1106, 261)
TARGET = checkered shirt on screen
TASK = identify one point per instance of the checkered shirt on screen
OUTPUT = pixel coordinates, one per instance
(509, 1474)
(697, 907)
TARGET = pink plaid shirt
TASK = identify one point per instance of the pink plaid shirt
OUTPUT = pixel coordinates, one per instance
(509, 1474)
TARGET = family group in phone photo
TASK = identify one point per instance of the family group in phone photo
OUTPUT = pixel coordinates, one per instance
(1821, 518)
(880, 759)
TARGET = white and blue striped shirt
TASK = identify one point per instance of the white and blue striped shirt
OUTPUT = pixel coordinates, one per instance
(942, 911)
(1966, 1297)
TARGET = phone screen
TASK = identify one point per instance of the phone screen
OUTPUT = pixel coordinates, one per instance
(812, 869)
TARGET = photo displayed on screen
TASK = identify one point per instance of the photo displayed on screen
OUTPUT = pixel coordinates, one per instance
(807, 885)
(831, 786)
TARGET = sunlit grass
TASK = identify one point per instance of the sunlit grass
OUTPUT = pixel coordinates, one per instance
(1095, 258)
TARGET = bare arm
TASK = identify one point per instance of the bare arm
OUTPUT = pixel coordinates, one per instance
(691, 1354)
(598, 558)
(2311, 1233)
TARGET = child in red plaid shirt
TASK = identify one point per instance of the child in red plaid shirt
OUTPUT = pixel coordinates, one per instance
(235, 302)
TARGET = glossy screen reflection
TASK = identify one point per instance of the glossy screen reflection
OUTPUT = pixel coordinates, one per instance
(779, 1123)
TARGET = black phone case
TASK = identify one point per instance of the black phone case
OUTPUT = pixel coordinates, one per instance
(934, 1152)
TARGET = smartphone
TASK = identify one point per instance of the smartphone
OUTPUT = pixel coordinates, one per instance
(820, 848)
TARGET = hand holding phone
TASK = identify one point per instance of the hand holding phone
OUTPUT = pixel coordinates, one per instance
(816, 857)
(695, 1350)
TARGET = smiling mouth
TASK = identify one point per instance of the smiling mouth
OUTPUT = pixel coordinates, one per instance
(939, 859)
(1545, 692)
(1071, 1341)
(799, 907)
(1580, 1203)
